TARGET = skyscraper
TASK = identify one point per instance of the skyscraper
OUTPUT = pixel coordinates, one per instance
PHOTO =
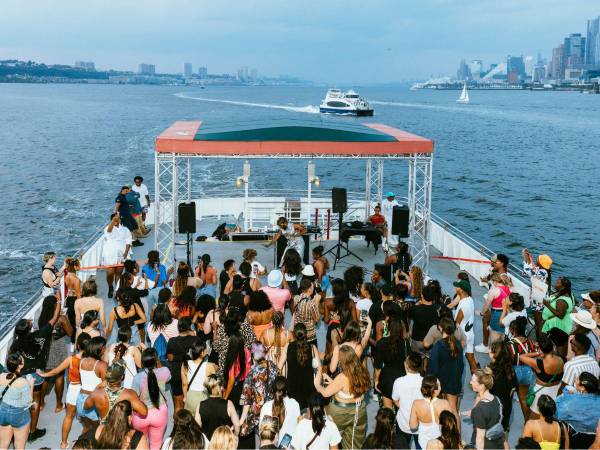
(476, 67)
(592, 49)
(463, 72)
(515, 69)
(146, 69)
(529, 64)
(187, 69)
(558, 63)
(574, 50)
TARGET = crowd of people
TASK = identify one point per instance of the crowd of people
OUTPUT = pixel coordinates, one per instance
(236, 358)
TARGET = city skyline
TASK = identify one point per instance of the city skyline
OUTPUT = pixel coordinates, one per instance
(379, 42)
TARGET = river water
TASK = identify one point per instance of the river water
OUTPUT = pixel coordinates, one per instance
(512, 168)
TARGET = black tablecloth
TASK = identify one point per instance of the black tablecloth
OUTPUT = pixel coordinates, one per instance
(370, 233)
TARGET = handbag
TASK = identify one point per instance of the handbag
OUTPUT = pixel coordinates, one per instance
(533, 392)
(496, 431)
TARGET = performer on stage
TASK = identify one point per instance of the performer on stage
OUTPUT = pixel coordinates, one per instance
(378, 221)
(387, 208)
(291, 235)
(116, 246)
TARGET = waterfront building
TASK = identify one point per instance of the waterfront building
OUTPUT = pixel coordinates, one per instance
(202, 72)
(572, 74)
(187, 69)
(85, 65)
(574, 50)
(592, 49)
(515, 69)
(476, 69)
(539, 73)
(463, 72)
(529, 64)
(146, 69)
(558, 63)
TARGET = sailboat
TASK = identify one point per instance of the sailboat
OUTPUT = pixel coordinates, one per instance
(464, 95)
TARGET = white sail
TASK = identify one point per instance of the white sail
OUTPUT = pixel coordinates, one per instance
(464, 95)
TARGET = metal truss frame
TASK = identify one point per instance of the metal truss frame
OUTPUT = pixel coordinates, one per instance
(419, 202)
(173, 180)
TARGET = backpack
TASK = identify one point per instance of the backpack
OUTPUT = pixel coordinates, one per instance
(160, 345)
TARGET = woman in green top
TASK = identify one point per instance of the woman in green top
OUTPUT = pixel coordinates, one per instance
(558, 307)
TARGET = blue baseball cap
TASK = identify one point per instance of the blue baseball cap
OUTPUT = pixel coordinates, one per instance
(390, 194)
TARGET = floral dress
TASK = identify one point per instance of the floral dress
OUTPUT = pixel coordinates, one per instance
(256, 392)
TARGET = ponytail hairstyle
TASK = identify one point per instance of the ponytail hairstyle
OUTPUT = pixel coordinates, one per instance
(125, 298)
(547, 408)
(13, 362)
(485, 377)
(279, 391)
(449, 327)
(235, 352)
(149, 362)
(72, 265)
(181, 278)
(278, 323)
(384, 429)
(123, 337)
(196, 350)
(316, 404)
(429, 385)
(450, 437)
(89, 317)
(303, 353)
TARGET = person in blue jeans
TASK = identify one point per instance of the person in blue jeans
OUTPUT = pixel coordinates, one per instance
(16, 396)
(158, 273)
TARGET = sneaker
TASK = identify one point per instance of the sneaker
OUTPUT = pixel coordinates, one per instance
(36, 434)
(137, 243)
(481, 348)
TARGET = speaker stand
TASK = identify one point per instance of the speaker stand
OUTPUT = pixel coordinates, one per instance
(188, 248)
(336, 250)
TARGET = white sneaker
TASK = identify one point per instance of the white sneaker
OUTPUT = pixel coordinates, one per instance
(481, 348)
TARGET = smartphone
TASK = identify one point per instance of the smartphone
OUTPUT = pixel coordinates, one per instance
(363, 316)
(286, 440)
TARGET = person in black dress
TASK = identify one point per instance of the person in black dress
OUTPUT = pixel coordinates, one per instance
(177, 353)
(390, 353)
(301, 358)
(215, 410)
(505, 380)
(446, 362)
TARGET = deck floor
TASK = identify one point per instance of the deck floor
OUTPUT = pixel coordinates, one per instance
(443, 271)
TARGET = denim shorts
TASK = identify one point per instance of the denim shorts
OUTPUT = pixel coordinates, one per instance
(524, 375)
(495, 321)
(90, 414)
(16, 417)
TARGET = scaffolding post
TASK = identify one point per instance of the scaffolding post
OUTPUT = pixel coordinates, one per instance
(419, 202)
(373, 184)
(165, 185)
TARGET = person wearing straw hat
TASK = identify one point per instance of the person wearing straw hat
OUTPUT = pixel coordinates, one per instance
(387, 210)
(584, 323)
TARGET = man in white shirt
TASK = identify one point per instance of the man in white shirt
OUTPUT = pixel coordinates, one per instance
(115, 249)
(142, 189)
(406, 390)
(387, 210)
(581, 362)
(464, 316)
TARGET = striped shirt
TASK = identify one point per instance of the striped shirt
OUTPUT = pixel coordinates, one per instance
(577, 365)
(306, 311)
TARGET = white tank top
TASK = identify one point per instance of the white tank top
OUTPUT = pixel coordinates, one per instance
(198, 382)
(130, 368)
(429, 431)
(89, 379)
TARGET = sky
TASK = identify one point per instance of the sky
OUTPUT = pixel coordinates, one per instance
(366, 41)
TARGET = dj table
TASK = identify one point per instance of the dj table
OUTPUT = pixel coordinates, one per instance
(370, 232)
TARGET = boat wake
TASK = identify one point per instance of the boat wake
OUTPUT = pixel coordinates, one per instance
(310, 109)
(418, 105)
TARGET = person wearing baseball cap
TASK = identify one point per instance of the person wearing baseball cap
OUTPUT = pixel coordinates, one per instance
(465, 319)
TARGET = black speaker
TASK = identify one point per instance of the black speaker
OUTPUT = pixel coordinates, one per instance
(187, 217)
(339, 202)
(400, 219)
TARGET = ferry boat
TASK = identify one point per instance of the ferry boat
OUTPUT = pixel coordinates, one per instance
(348, 103)
(437, 246)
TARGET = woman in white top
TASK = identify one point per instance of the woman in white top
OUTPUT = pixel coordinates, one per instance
(194, 373)
(92, 372)
(425, 413)
(130, 354)
(317, 431)
(285, 409)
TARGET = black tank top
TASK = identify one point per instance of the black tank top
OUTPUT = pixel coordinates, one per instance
(126, 321)
(213, 414)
